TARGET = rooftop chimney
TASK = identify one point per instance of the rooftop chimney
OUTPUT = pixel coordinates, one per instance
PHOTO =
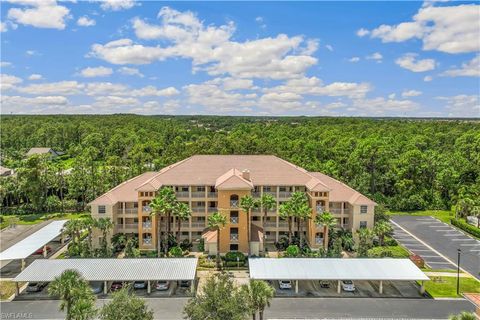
(246, 174)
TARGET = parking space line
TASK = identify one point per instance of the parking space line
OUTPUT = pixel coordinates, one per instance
(463, 239)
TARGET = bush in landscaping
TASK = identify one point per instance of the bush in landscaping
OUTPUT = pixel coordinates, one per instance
(392, 252)
(175, 252)
(186, 245)
(466, 227)
(201, 245)
(233, 255)
(292, 251)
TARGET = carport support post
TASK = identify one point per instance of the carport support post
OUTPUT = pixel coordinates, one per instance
(45, 251)
(149, 289)
(422, 287)
(338, 286)
(23, 264)
(192, 287)
(105, 287)
(296, 286)
(380, 288)
(17, 289)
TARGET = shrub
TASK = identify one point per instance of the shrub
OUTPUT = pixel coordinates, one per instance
(201, 245)
(392, 252)
(233, 264)
(186, 245)
(466, 227)
(175, 252)
(233, 255)
(292, 251)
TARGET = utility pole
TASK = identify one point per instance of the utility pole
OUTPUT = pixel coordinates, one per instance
(459, 251)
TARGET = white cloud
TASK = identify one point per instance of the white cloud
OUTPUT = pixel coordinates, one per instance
(451, 29)
(380, 106)
(462, 105)
(3, 27)
(40, 14)
(211, 49)
(114, 102)
(362, 32)
(411, 93)
(53, 88)
(85, 22)
(92, 72)
(232, 83)
(32, 53)
(409, 62)
(117, 5)
(155, 107)
(130, 71)
(468, 69)
(377, 56)
(35, 76)
(152, 91)
(8, 82)
(428, 78)
(19, 104)
(354, 59)
(7, 25)
(392, 96)
(5, 64)
(329, 47)
(105, 88)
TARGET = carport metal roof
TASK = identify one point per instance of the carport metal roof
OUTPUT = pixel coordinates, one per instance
(33, 242)
(113, 269)
(334, 269)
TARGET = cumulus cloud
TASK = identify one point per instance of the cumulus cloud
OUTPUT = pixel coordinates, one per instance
(377, 56)
(451, 29)
(362, 32)
(117, 5)
(354, 59)
(8, 82)
(410, 62)
(411, 93)
(5, 64)
(40, 14)
(427, 78)
(462, 105)
(35, 76)
(130, 72)
(92, 72)
(114, 102)
(19, 104)
(468, 69)
(211, 48)
(85, 22)
(53, 88)
(380, 106)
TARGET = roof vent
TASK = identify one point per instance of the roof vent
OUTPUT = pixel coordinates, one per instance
(246, 174)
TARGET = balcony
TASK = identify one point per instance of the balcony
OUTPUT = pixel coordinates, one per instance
(182, 194)
(233, 236)
(212, 194)
(283, 224)
(147, 225)
(198, 225)
(147, 241)
(318, 240)
(256, 194)
(335, 210)
(147, 209)
(128, 211)
(270, 224)
(234, 203)
(285, 194)
(272, 193)
(320, 209)
(128, 226)
(212, 209)
(198, 209)
(234, 220)
(185, 224)
(198, 194)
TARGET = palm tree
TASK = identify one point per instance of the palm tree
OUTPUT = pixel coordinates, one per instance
(105, 225)
(163, 205)
(286, 213)
(88, 223)
(381, 229)
(72, 228)
(267, 202)
(327, 221)
(216, 222)
(259, 294)
(476, 213)
(463, 316)
(77, 298)
(247, 203)
(182, 213)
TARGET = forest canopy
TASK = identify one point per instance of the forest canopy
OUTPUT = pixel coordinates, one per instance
(406, 164)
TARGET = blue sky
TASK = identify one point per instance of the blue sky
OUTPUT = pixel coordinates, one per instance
(241, 58)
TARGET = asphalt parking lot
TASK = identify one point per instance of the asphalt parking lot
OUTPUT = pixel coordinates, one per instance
(437, 243)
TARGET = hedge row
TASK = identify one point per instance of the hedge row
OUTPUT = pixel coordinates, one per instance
(466, 227)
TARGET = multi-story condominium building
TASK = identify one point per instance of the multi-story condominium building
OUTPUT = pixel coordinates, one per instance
(211, 183)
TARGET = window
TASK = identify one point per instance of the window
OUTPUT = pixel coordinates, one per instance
(283, 189)
(267, 189)
(234, 247)
(345, 221)
(185, 189)
(120, 221)
(102, 210)
(135, 204)
(256, 218)
(363, 209)
(363, 224)
(184, 233)
(199, 189)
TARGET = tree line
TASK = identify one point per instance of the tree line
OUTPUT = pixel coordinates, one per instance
(406, 164)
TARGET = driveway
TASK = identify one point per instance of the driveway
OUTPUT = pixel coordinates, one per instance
(437, 243)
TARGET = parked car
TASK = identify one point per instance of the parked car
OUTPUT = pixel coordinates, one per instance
(324, 284)
(35, 286)
(285, 284)
(184, 284)
(139, 285)
(348, 285)
(116, 286)
(40, 251)
(162, 285)
(97, 286)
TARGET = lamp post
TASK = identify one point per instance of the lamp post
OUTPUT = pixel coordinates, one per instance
(459, 251)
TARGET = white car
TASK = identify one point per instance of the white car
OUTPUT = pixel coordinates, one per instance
(285, 284)
(348, 285)
(162, 285)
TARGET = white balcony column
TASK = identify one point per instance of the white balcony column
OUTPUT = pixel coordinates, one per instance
(296, 286)
(342, 204)
(189, 192)
(380, 287)
(124, 204)
(149, 288)
(339, 286)
(105, 288)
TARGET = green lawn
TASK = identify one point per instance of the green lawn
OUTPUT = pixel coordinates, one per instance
(7, 289)
(29, 219)
(447, 287)
(442, 215)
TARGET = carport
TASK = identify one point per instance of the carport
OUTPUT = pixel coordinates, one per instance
(124, 270)
(26, 247)
(296, 269)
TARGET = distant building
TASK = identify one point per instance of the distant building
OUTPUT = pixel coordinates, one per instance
(50, 151)
(5, 172)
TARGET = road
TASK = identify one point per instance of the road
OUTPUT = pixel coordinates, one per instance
(433, 239)
(281, 308)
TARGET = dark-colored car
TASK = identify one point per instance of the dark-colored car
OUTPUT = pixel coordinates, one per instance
(324, 284)
(184, 284)
(116, 286)
(35, 286)
(40, 251)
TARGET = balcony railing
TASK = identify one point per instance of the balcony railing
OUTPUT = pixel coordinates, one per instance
(233, 236)
(212, 209)
(234, 203)
(198, 224)
(272, 193)
(128, 211)
(147, 241)
(335, 210)
(127, 226)
(185, 224)
(318, 240)
(270, 224)
(198, 194)
(182, 194)
(285, 194)
(283, 224)
(198, 209)
(234, 220)
(147, 225)
(212, 194)
(147, 209)
(256, 194)
(320, 209)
